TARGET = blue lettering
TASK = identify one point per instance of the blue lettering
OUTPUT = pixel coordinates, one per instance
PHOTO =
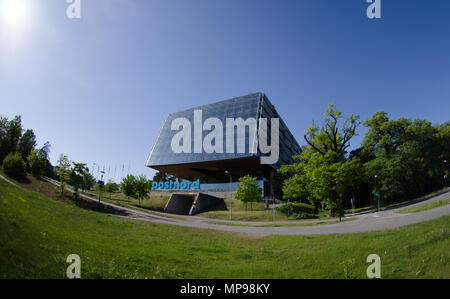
(196, 185)
(175, 185)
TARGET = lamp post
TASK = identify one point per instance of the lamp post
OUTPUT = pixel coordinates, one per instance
(100, 187)
(231, 194)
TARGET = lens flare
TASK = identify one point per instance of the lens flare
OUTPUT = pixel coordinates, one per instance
(13, 12)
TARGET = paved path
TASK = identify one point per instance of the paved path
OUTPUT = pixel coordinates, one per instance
(363, 222)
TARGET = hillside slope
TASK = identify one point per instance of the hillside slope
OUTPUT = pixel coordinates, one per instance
(37, 233)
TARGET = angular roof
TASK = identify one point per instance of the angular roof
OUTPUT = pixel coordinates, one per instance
(254, 105)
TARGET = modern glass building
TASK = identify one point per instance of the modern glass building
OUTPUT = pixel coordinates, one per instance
(215, 169)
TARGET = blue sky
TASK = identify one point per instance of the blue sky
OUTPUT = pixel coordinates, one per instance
(99, 88)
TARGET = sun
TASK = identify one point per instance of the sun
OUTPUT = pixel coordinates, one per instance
(13, 12)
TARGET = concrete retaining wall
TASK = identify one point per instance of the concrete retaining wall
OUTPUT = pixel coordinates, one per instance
(193, 203)
(205, 202)
(180, 204)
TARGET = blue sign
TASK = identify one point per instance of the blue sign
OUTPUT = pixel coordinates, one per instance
(175, 185)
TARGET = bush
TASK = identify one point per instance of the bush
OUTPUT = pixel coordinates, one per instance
(36, 163)
(297, 208)
(14, 166)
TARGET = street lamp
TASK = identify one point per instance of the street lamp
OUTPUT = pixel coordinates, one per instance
(100, 185)
(231, 194)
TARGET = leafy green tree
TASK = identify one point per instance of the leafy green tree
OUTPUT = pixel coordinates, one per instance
(14, 166)
(128, 186)
(324, 181)
(248, 191)
(323, 174)
(77, 176)
(296, 186)
(26, 144)
(111, 187)
(63, 172)
(384, 136)
(408, 156)
(48, 167)
(351, 176)
(4, 124)
(88, 180)
(142, 188)
(331, 137)
(10, 133)
(161, 176)
(36, 162)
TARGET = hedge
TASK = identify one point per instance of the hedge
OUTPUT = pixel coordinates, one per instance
(297, 208)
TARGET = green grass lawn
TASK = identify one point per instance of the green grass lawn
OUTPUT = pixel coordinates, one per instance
(37, 233)
(155, 203)
(240, 212)
(425, 207)
(256, 212)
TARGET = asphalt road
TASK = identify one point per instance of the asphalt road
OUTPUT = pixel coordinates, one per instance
(363, 222)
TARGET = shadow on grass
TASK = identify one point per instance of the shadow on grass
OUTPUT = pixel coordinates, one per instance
(98, 207)
(20, 180)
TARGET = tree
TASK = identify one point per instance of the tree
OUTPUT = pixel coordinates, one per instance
(324, 175)
(4, 124)
(77, 176)
(11, 131)
(26, 144)
(63, 172)
(142, 188)
(36, 162)
(323, 181)
(329, 137)
(407, 156)
(88, 180)
(48, 167)
(111, 187)
(384, 136)
(295, 187)
(46, 150)
(248, 191)
(161, 177)
(14, 166)
(128, 185)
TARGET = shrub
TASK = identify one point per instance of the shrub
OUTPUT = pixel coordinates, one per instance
(36, 162)
(297, 208)
(14, 166)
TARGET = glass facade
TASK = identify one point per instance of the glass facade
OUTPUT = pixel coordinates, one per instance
(254, 105)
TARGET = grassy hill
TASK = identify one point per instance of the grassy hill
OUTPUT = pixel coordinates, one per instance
(37, 233)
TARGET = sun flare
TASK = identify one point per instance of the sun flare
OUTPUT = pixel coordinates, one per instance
(13, 12)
